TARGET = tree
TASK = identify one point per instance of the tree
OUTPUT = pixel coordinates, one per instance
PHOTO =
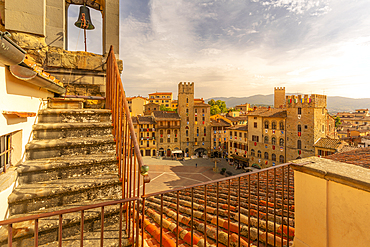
(217, 106)
(337, 122)
(164, 108)
(215, 110)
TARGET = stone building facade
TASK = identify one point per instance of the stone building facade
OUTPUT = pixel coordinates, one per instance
(168, 133)
(307, 121)
(195, 122)
(238, 145)
(279, 97)
(161, 98)
(219, 137)
(267, 137)
(151, 107)
(145, 131)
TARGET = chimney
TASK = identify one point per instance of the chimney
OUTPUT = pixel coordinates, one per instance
(269, 108)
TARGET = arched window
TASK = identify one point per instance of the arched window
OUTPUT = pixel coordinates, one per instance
(273, 141)
(161, 132)
(161, 140)
(281, 125)
(187, 100)
(299, 128)
(299, 144)
(266, 124)
(281, 159)
(259, 154)
(273, 125)
(168, 132)
(281, 142)
(273, 157)
(266, 155)
(252, 152)
(266, 139)
(187, 132)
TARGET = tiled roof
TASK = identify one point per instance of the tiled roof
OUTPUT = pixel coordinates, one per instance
(329, 143)
(239, 127)
(220, 122)
(165, 209)
(151, 104)
(201, 105)
(359, 156)
(273, 112)
(146, 120)
(240, 118)
(160, 93)
(166, 115)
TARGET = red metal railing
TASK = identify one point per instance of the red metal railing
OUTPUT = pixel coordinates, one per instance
(134, 234)
(254, 209)
(130, 162)
(250, 209)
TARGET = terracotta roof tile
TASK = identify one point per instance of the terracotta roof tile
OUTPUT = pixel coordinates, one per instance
(239, 127)
(329, 143)
(166, 115)
(273, 112)
(221, 122)
(359, 156)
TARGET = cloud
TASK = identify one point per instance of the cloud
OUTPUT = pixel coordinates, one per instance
(227, 51)
(298, 71)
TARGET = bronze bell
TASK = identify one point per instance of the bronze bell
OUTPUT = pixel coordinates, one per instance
(84, 20)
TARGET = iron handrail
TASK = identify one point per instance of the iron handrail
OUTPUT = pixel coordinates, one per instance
(218, 180)
(123, 131)
(66, 211)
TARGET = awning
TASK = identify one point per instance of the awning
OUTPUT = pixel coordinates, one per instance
(177, 152)
(237, 157)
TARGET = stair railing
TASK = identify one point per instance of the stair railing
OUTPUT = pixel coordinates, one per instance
(130, 161)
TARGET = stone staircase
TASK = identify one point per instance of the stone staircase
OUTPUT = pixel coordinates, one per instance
(70, 162)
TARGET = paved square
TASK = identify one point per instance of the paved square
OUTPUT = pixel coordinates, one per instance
(170, 174)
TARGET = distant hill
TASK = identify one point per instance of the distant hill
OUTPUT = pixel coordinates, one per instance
(335, 103)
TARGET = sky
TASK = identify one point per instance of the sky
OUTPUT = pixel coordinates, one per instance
(239, 48)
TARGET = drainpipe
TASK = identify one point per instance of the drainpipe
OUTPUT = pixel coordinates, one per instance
(10, 52)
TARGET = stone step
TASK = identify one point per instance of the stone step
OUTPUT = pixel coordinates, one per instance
(39, 149)
(37, 196)
(74, 115)
(65, 167)
(65, 130)
(48, 227)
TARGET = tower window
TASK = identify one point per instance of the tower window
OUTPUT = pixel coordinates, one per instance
(273, 125)
(299, 110)
(299, 128)
(266, 125)
(299, 144)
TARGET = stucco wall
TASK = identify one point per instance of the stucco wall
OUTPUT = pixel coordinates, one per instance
(330, 214)
(18, 95)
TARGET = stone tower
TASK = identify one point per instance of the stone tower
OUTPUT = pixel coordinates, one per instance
(279, 97)
(186, 110)
(305, 124)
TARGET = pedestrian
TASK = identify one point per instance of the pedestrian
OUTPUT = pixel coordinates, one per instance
(196, 165)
